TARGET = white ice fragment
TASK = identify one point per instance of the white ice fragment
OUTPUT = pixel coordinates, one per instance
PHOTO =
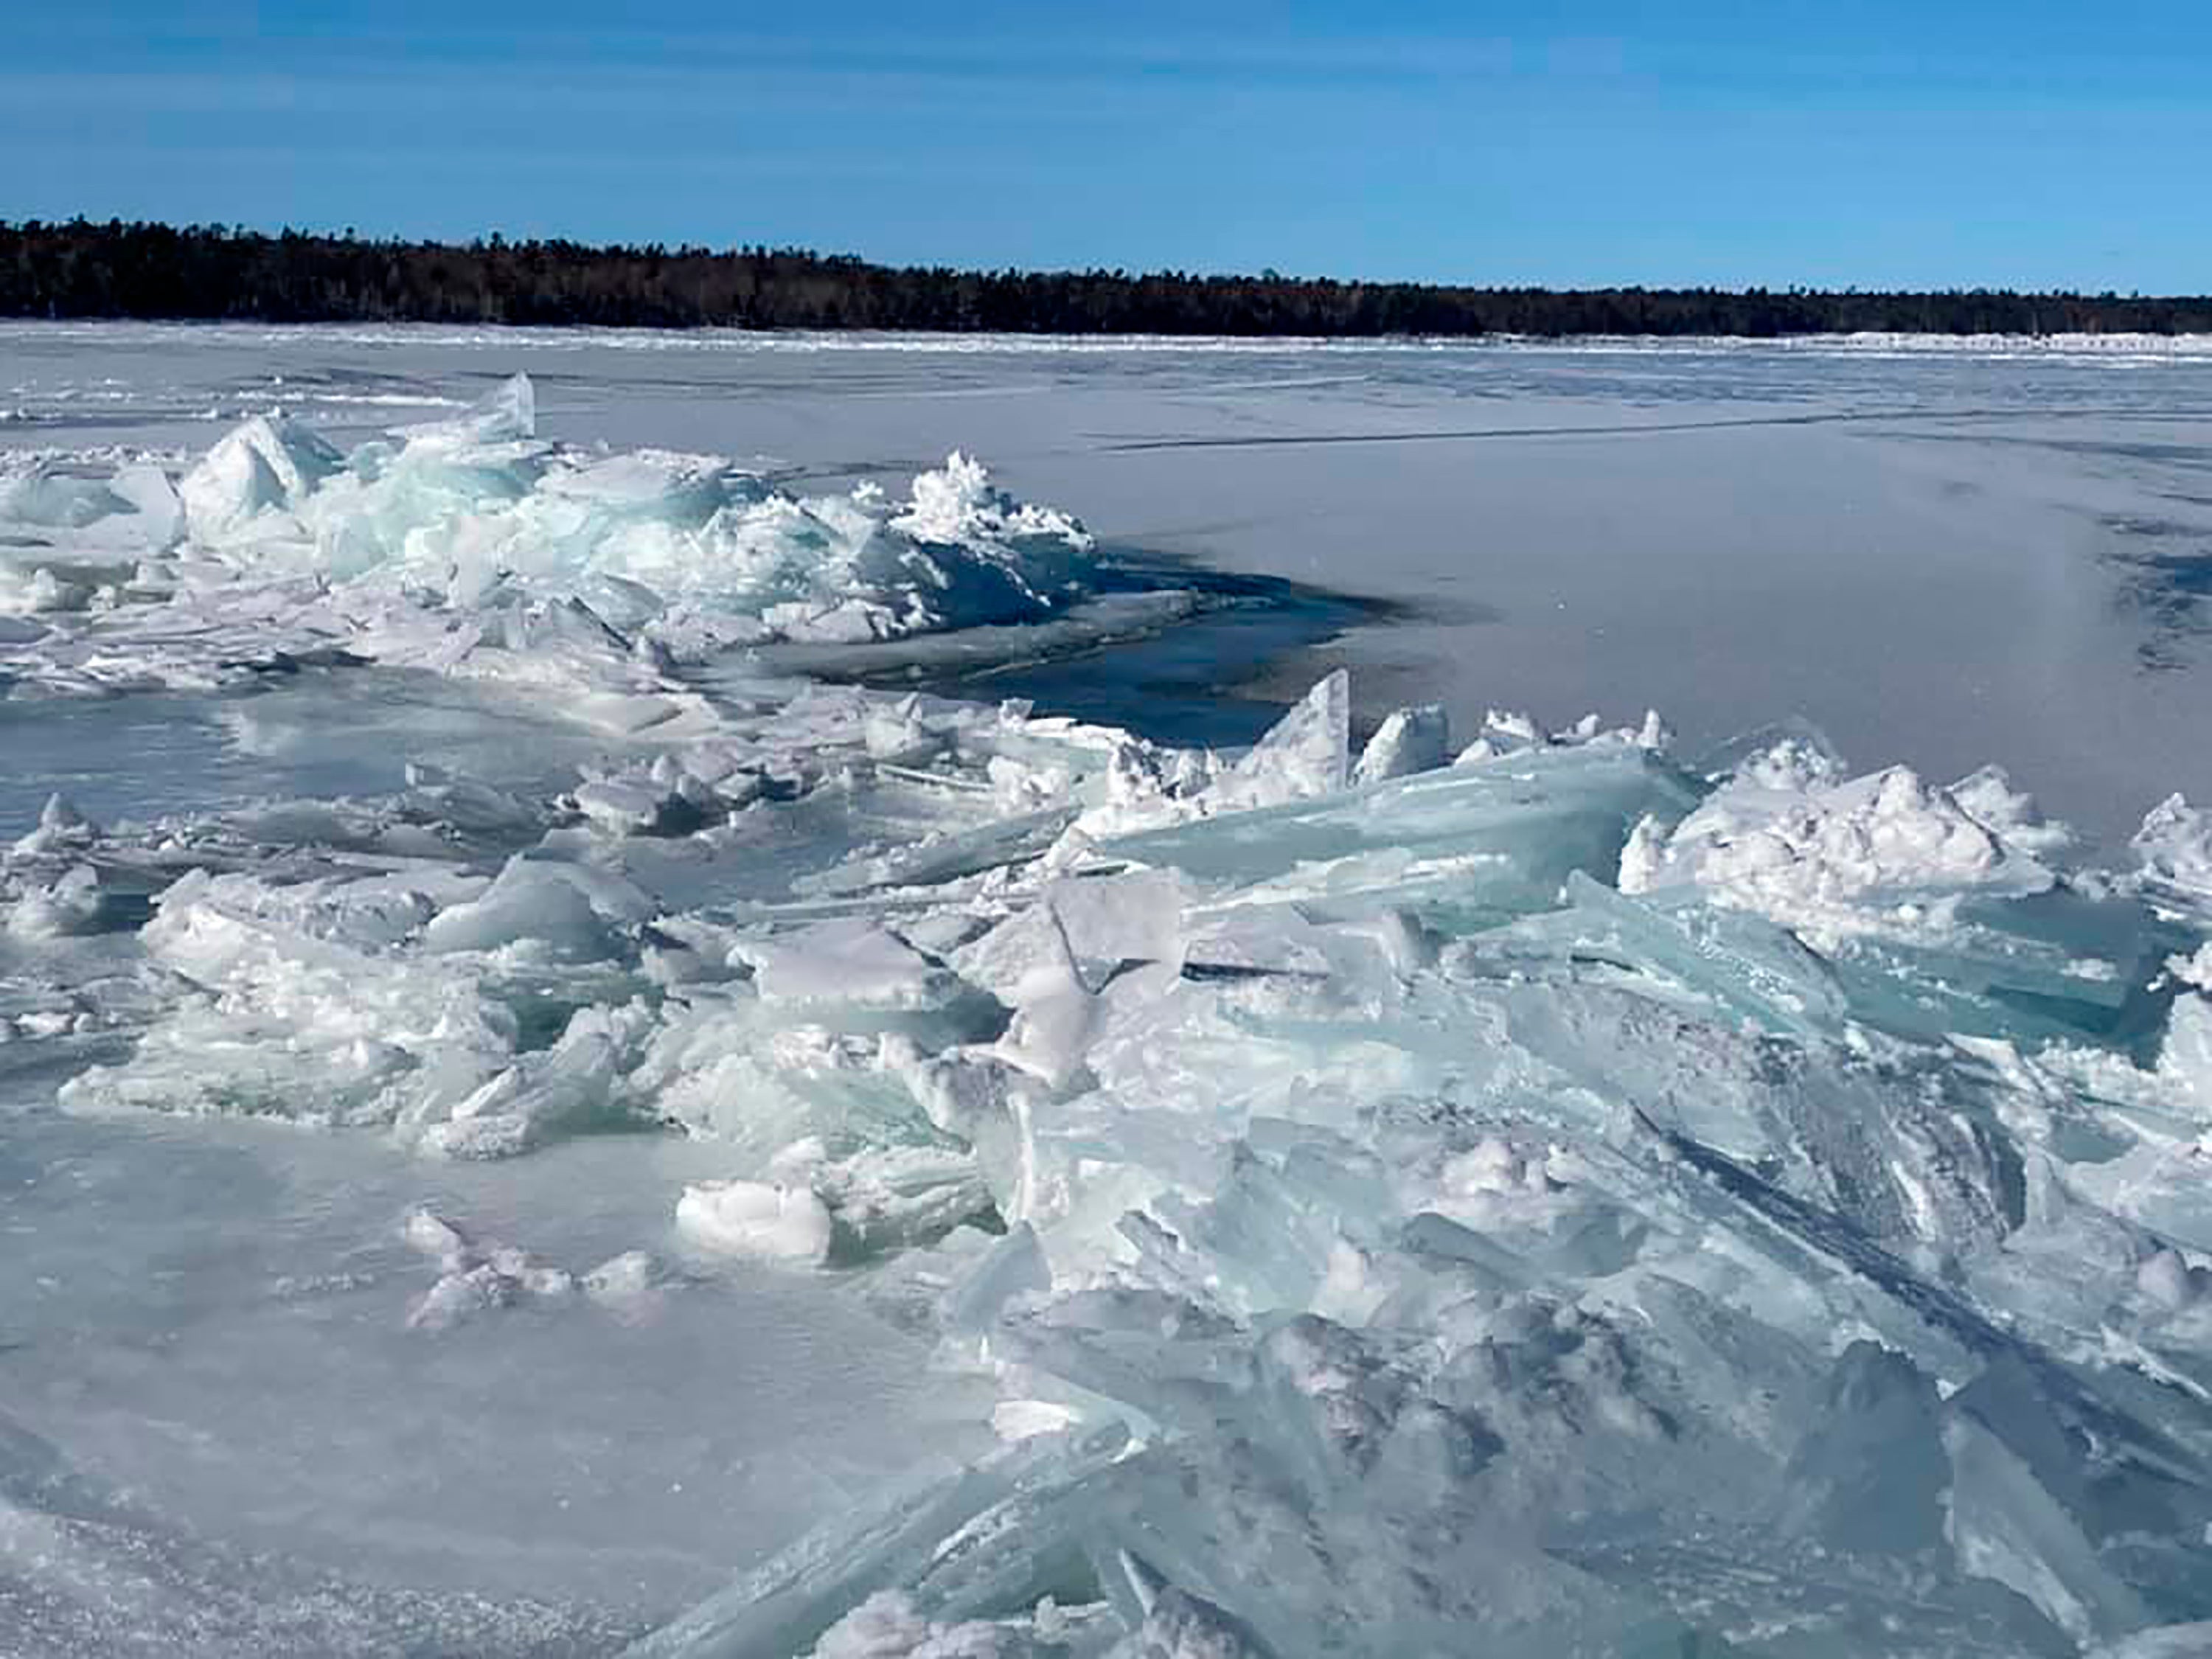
(1831, 859)
(887, 1626)
(69, 905)
(886, 1198)
(624, 1282)
(1135, 917)
(2193, 969)
(1054, 1012)
(627, 807)
(1181, 1625)
(898, 732)
(955, 503)
(462, 1295)
(45, 497)
(1350, 1292)
(754, 1219)
(574, 1084)
(1644, 856)
(1790, 765)
(505, 414)
(269, 465)
(38, 591)
(1508, 729)
(1025, 1420)
(1988, 797)
(552, 905)
(844, 961)
(159, 513)
(1409, 740)
(533, 1277)
(2184, 1059)
(434, 1236)
(2174, 847)
(1304, 755)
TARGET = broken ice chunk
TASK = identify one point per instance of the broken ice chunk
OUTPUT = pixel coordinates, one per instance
(1987, 796)
(1883, 852)
(1180, 1625)
(1739, 963)
(462, 1295)
(628, 807)
(1053, 1010)
(1408, 741)
(69, 905)
(269, 465)
(2174, 847)
(958, 1544)
(61, 828)
(47, 498)
(39, 592)
(470, 1283)
(1501, 836)
(852, 960)
(2005, 1526)
(567, 910)
(756, 1218)
(1869, 1476)
(1305, 754)
(955, 503)
(887, 1626)
(505, 414)
(437, 1238)
(573, 1086)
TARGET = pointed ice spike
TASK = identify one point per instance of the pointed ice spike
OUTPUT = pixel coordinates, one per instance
(1411, 740)
(1306, 753)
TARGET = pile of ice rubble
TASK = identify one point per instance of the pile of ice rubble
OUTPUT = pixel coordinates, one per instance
(1538, 1199)
(471, 546)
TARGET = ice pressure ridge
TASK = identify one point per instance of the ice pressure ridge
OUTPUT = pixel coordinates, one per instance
(463, 544)
(1513, 1192)
(1533, 1197)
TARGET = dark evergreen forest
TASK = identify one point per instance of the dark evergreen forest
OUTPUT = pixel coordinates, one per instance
(208, 272)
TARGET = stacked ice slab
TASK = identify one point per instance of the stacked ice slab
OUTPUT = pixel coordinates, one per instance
(1534, 1199)
(1387, 1234)
(419, 547)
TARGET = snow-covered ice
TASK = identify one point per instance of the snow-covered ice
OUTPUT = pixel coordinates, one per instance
(573, 1132)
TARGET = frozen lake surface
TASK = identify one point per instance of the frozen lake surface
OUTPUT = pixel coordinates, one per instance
(639, 1015)
(1939, 555)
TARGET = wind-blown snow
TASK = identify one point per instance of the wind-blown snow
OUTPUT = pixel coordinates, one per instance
(1535, 1195)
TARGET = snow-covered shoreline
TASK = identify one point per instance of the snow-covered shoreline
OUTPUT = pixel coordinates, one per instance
(517, 337)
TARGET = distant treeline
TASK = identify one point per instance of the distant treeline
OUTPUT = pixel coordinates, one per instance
(211, 272)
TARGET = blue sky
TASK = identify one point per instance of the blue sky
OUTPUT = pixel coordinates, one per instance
(1880, 144)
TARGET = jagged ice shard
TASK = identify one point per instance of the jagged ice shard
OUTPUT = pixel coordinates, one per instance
(1556, 1199)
